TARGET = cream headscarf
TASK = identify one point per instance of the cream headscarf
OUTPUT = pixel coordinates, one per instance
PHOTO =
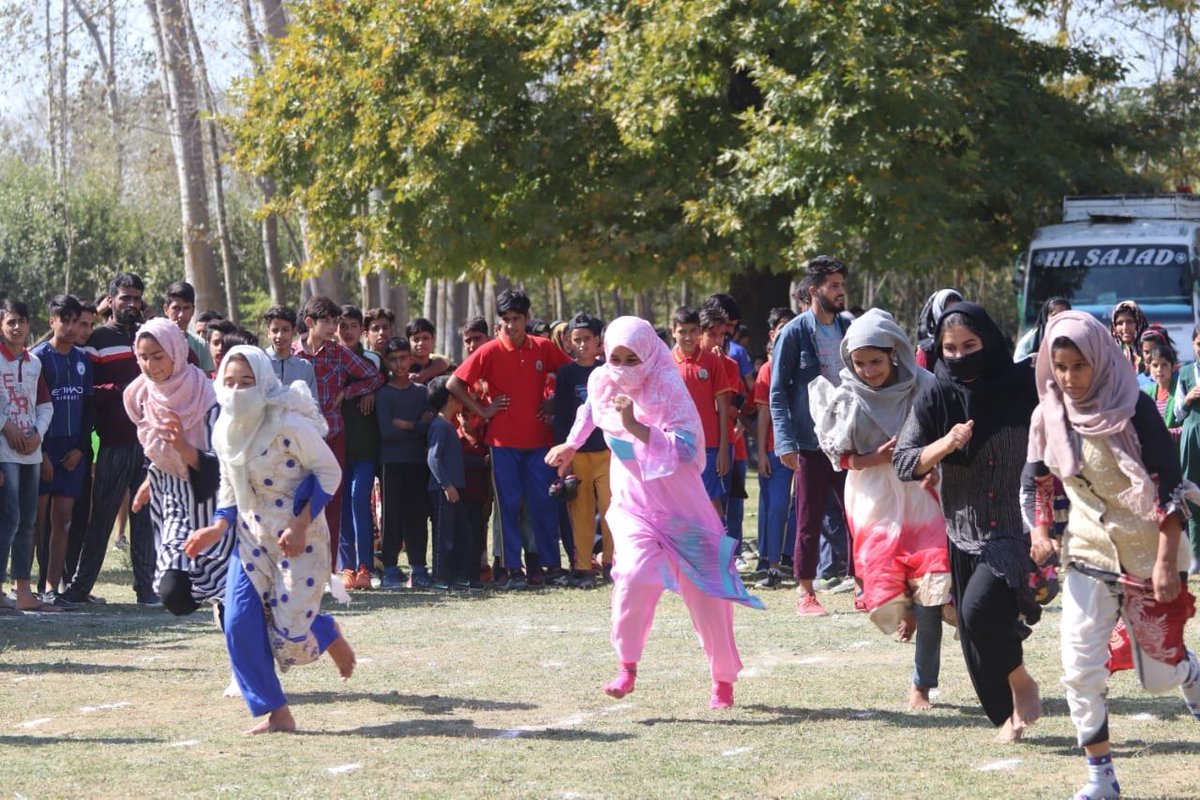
(252, 417)
(1106, 411)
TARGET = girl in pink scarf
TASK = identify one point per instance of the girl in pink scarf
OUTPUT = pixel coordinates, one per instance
(174, 407)
(665, 532)
(1122, 547)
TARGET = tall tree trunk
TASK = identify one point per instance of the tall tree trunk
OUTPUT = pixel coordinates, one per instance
(182, 111)
(63, 115)
(757, 292)
(489, 299)
(269, 228)
(274, 18)
(429, 302)
(51, 93)
(229, 260)
(458, 314)
(105, 54)
(598, 301)
(475, 299)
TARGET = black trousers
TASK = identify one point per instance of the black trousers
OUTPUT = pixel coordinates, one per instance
(405, 513)
(989, 629)
(117, 469)
(455, 557)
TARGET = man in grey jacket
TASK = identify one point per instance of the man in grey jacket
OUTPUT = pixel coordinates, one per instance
(810, 345)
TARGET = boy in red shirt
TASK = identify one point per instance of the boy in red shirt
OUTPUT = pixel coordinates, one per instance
(515, 366)
(774, 479)
(713, 323)
(706, 379)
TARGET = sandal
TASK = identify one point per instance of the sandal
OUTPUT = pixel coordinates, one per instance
(41, 606)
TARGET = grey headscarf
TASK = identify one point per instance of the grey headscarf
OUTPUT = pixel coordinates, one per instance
(856, 418)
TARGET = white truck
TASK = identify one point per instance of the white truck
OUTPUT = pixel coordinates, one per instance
(1119, 247)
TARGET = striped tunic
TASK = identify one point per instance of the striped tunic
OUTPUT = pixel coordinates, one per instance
(176, 510)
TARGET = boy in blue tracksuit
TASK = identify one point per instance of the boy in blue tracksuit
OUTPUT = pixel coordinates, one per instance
(67, 371)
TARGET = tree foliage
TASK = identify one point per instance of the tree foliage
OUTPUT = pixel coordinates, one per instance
(626, 140)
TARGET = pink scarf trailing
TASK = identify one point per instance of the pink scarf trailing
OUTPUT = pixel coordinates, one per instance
(187, 394)
(659, 396)
(1106, 411)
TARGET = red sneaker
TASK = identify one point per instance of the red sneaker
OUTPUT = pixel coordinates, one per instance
(722, 695)
(348, 578)
(810, 606)
(362, 578)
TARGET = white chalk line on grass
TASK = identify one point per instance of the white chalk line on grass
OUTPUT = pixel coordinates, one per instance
(1003, 764)
(342, 769)
(569, 722)
(1143, 717)
(737, 751)
(34, 723)
(185, 743)
(105, 707)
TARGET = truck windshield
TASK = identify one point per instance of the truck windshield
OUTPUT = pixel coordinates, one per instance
(1100, 276)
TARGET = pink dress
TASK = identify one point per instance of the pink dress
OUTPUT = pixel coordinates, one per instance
(666, 533)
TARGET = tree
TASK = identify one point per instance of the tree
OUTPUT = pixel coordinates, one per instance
(625, 142)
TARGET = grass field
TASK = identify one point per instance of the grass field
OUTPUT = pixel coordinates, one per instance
(497, 695)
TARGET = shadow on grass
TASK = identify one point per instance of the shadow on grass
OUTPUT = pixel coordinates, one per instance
(968, 717)
(42, 741)
(116, 628)
(1127, 748)
(466, 729)
(79, 668)
(426, 704)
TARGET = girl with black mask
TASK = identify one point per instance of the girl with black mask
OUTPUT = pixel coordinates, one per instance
(973, 422)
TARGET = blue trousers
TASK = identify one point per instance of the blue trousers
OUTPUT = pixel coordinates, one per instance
(522, 474)
(735, 504)
(356, 545)
(774, 505)
(18, 515)
(248, 645)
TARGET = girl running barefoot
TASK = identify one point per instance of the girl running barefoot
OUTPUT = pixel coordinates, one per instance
(974, 423)
(277, 475)
(1123, 548)
(665, 532)
(174, 408)
(897, 526)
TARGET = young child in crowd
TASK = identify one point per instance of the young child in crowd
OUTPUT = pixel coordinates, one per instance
(216, 332)
(664, 534)
(713, 323)
(277, 475)
(357, 548)
(341, 375)
(1187, 395)
(472, 432)
(280, 323)
(899, 534)
(426, 365)
(27, 411)
(403, 415)
(68, 374)
(179, 305)
(774, 479)
(1162, 365)
(457, 562)
(590, 464)
(174, 407)
(707, 383)
(1105, 440)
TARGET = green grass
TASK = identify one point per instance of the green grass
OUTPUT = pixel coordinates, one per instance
(498, 696)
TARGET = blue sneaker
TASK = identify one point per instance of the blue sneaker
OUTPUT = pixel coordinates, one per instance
(420, 579)
(393, 578)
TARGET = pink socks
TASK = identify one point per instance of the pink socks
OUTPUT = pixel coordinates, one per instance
(722, 695)
(623, 683)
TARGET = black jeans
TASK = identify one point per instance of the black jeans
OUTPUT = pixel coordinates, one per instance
(405, 513)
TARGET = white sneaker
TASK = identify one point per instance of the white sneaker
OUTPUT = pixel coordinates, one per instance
(232, 690)
(1191, 687)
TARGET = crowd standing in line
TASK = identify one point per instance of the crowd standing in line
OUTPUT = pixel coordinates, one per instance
(943, 482)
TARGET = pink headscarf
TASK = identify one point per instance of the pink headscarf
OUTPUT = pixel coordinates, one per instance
(659, 396)
(187, 393)
(1106, 411)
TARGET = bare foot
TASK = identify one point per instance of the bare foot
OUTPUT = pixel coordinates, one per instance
(906, 627)
(28, 601)
(1027, 700)
(918, 699)
(278, 721)
(1009, 733)
(343, 655)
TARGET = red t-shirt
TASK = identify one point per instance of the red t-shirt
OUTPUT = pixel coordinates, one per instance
(705, 377)
(520, 373)
(733, 377)
(762, 398)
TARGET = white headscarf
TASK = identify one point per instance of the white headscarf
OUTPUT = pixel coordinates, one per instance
(252, 417)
